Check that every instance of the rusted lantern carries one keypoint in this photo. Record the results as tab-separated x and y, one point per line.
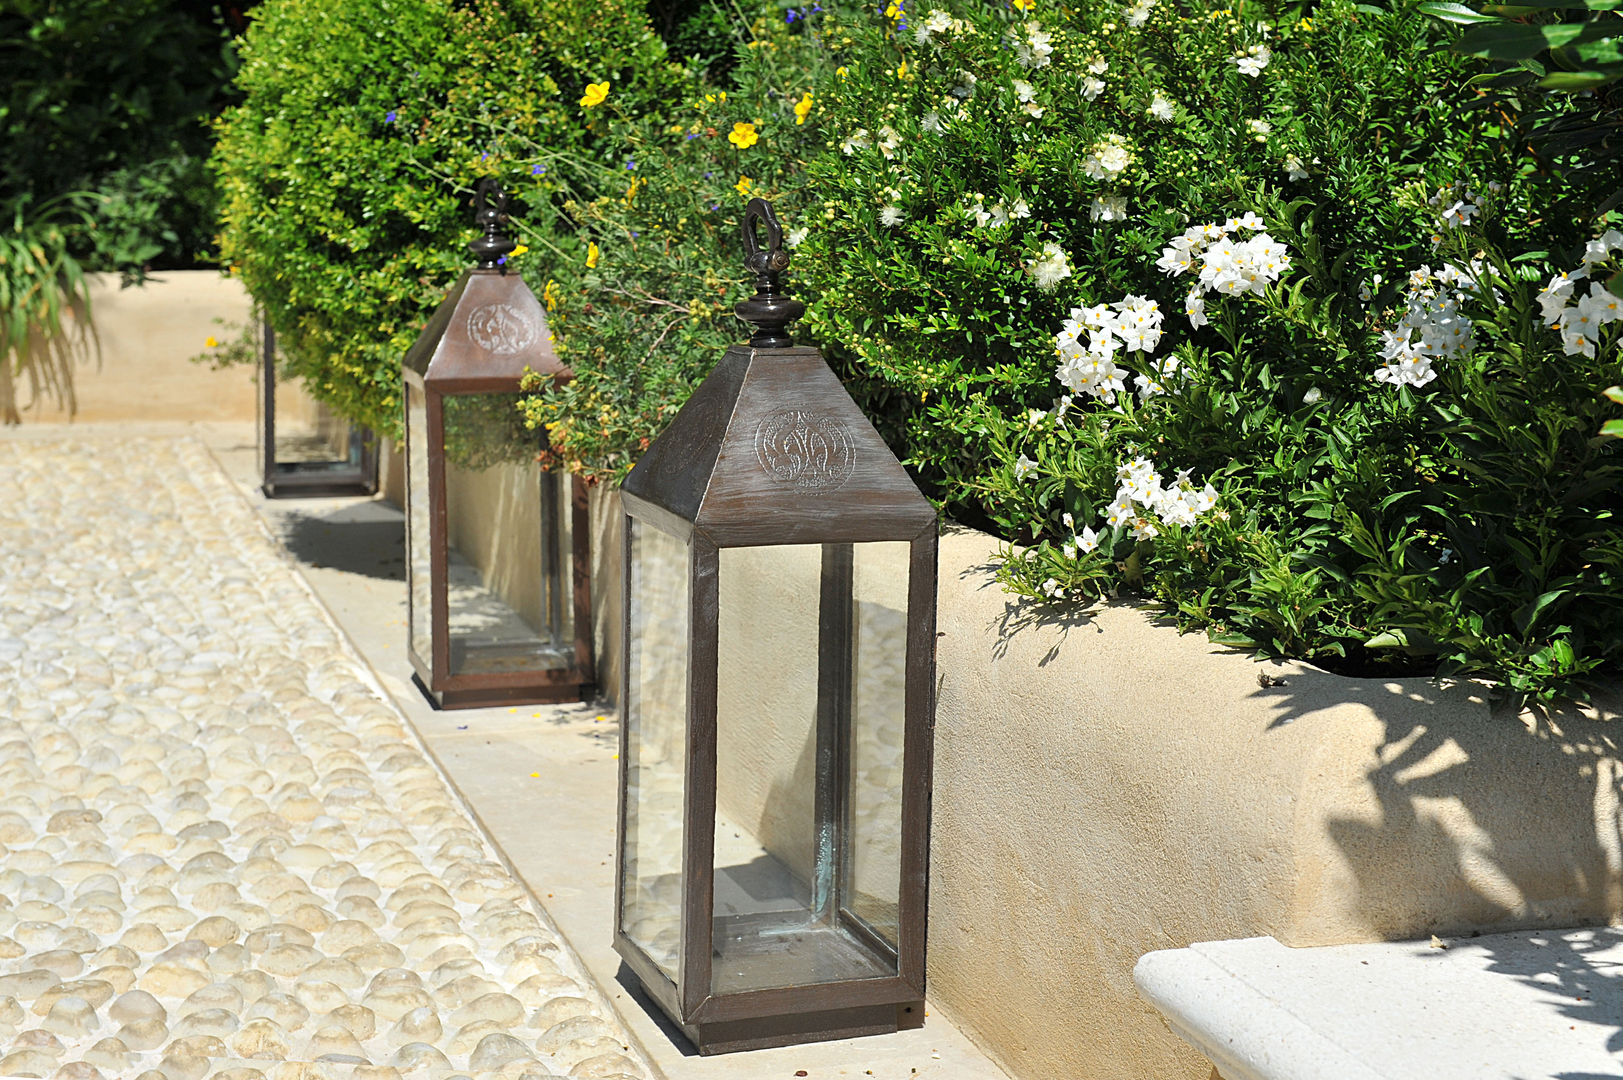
496	543
778	701
307	450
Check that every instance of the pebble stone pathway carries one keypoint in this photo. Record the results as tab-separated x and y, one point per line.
223	853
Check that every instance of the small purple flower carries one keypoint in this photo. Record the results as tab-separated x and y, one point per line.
502	261
633	236
390	117
630	164
537	170
708	175
692	136
791	15
715	206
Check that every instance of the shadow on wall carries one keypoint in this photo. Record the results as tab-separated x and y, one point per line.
1531	835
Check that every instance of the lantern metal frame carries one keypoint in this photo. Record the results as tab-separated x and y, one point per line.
355	475
700	483
456	356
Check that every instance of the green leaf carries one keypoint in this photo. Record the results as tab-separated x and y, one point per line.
1456	13
1527	615
1389	639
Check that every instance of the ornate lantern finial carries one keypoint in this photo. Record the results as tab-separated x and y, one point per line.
490	214
770	310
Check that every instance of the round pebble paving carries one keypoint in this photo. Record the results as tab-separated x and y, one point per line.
223	852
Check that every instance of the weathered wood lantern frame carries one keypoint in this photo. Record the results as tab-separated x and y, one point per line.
482	338
356	473
771	450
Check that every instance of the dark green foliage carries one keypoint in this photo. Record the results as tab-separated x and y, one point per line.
111	99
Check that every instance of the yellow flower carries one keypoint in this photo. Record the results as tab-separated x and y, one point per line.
743	185
549	295
521	249
743	136
210	342
803	107
901	72
894	11
591	256
595	93
840	71
1024	5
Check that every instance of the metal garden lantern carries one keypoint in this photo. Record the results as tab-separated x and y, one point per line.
496	544
305	449
778	702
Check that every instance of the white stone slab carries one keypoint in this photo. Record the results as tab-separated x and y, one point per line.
1519	1006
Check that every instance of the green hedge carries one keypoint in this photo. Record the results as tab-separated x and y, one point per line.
347	168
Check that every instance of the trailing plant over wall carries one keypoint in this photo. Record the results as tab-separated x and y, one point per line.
347	168
648	312
1159	291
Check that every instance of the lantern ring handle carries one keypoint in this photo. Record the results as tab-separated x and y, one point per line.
774	259
481	198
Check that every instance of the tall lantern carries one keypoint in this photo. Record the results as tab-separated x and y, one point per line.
778	702
496	544
306	449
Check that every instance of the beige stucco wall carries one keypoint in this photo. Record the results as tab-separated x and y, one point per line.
147	337
1105	787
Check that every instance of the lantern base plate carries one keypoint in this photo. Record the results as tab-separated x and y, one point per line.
484	698
760	1033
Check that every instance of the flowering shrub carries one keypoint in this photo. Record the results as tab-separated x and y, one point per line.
646	315
347	169
1086	252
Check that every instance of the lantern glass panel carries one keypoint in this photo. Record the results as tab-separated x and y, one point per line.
810	684
309	434
655	743
508	544
418	534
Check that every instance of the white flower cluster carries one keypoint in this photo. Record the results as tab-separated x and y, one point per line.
998	214
1456	204
1051	267
1092	85
1027	95
1580	323
1160	107
1432	311
1108	158
1034	49
936	22
1141	493
1139	13
1251	61
1108	208
1225	265
1132	324
859	139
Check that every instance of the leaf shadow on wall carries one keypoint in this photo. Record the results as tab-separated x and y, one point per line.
1480	818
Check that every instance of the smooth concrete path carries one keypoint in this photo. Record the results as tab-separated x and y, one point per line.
543	781
223	852
1527	1005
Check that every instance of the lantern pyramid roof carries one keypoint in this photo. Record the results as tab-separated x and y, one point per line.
770	449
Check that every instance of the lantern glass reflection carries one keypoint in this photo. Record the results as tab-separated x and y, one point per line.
655	743
508	529
809	737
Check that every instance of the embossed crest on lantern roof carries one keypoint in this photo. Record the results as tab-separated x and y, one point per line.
770	449
490	327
